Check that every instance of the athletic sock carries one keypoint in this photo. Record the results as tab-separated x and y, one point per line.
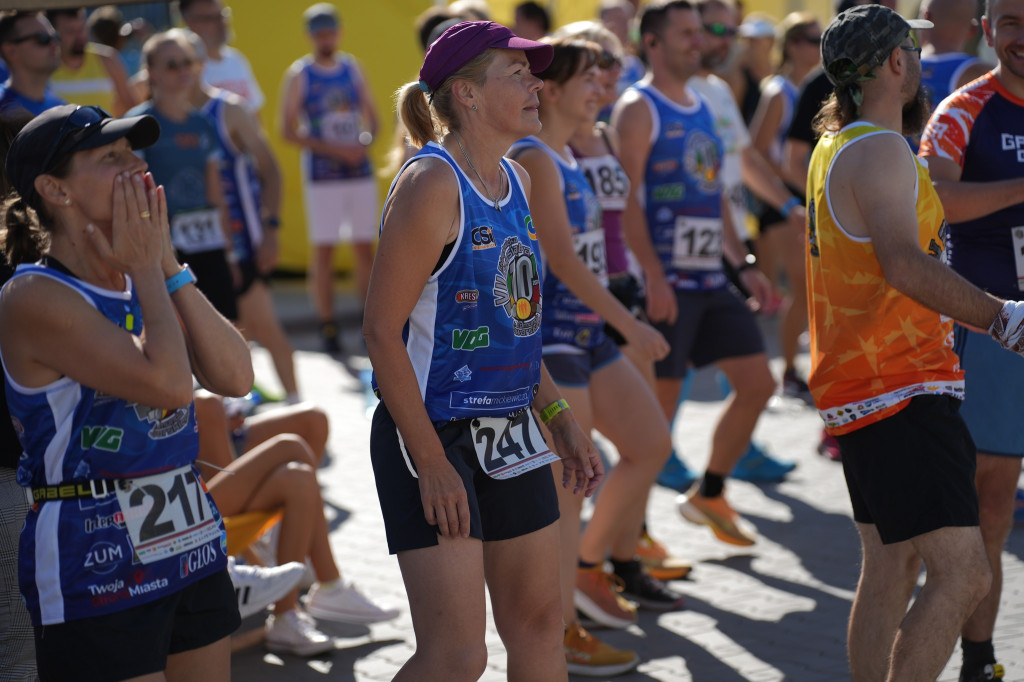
711	485
977	654
627	568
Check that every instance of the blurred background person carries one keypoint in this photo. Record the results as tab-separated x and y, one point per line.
532	21
29	46
225	66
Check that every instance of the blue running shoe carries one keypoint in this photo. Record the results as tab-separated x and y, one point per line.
758	467
1018	507
676	475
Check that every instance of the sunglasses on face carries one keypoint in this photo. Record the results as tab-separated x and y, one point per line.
607	60
720	30
42	39
914	46
76	127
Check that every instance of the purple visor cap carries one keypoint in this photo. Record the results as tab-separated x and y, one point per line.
462	43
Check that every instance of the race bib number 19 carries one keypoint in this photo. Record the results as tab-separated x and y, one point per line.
589	247
508	448
167	514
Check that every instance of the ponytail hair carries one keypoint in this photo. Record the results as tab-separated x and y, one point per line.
427	117
21	237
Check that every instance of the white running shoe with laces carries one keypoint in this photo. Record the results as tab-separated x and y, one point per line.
256	587
342	602
295	633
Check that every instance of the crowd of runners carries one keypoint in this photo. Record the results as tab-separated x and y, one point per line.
579	216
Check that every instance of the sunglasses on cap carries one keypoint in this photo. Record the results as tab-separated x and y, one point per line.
178	64
720	30
41	38
76	127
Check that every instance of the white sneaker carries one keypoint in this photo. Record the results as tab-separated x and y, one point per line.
290	633
256	587
344	603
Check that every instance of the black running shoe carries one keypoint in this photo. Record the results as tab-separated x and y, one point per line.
650	593
990	671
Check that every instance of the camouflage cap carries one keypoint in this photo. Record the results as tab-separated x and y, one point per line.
860	39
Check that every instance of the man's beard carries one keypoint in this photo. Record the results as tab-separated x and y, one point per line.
916	112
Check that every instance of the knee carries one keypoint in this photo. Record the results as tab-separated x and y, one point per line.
460	661
756	387
296	449
533	625
209	408
995	513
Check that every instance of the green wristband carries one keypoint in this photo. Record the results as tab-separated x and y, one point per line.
549	412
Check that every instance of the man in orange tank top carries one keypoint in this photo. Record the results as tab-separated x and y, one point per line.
884	375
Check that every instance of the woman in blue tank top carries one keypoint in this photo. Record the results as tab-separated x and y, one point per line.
453	328
123	556
586	365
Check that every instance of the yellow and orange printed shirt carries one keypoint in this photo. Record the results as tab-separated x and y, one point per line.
872	347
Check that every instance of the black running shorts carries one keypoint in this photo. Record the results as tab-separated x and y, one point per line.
913	472
137	641
498	510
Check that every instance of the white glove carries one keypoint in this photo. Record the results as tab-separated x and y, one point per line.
1008	327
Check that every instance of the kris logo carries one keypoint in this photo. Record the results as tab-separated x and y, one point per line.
483	238
102	438
471	339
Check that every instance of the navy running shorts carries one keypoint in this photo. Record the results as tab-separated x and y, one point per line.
574	369
913	472
137	641
498	510
710	326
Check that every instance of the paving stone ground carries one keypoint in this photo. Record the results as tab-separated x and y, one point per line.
776	611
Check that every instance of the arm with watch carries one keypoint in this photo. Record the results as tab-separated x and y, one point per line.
581	463
217	352
744	263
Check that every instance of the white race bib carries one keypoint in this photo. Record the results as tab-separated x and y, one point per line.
609	181
196	231
341	126
589	247
166	514
508	448
697	243
1018	254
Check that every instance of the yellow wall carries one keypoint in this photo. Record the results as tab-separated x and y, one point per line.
380	33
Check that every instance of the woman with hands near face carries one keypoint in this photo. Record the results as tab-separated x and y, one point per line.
101	331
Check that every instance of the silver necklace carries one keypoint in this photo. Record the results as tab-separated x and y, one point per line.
479	177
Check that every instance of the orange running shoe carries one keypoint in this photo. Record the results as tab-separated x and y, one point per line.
588	656
599	597
656	559
716	514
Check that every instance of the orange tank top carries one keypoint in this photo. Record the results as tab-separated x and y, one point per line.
872	347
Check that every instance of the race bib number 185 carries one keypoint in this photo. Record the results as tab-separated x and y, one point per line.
508	448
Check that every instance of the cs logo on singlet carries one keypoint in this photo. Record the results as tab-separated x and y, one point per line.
517	287
702	160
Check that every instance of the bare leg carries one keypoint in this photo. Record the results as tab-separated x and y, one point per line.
887	580
525	597
258	322
569	507
788	243
305	420
211	662
321	282
958	576
626	411
445	585
996	480
753	385
668	396
214	440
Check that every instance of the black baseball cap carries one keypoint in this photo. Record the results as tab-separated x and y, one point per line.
55	134
860	39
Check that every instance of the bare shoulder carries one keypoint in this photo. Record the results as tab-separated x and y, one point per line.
876	162
524	177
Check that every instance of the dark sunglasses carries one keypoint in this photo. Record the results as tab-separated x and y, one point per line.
175	65
606	60
720	30
80	125
42	39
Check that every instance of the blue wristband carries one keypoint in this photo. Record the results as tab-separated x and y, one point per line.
788	207
185	276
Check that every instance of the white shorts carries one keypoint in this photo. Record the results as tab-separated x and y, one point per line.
342	211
